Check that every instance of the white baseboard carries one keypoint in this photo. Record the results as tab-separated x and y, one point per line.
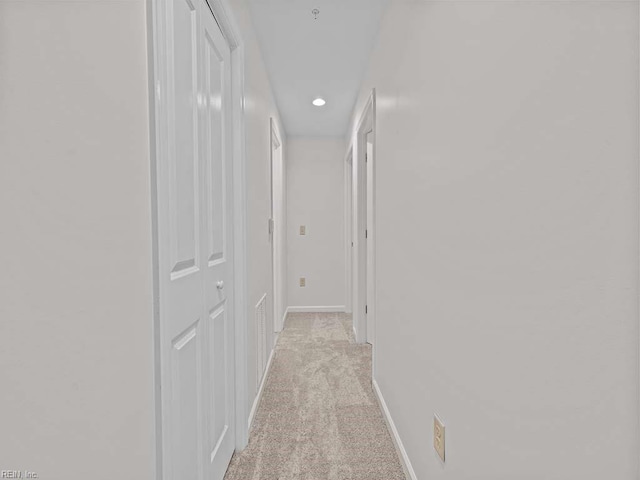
256	401
409	472
323	309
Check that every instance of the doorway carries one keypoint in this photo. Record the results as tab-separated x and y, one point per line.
363	252
277	227
369	311
348	228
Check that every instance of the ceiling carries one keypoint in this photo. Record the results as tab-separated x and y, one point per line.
308	58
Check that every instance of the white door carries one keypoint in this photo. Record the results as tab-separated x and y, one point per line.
194	242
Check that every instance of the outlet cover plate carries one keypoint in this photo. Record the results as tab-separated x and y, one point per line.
303	282
438	436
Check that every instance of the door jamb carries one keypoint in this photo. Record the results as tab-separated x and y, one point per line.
275	142
348	228
157	470
370	315
365	234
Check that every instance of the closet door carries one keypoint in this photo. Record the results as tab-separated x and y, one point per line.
194	242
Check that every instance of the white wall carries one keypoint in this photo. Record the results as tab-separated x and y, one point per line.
76	362
260	106
315	189
507	236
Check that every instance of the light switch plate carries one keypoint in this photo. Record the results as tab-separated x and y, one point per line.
438	436
303	282
303	230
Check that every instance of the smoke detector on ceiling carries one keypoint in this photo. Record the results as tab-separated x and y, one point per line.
315	12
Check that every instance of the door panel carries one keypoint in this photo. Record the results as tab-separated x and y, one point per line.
195	245
184	191
218	405
186	390
214	146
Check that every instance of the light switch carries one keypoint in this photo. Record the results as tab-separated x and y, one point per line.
438	436
303	282
303	230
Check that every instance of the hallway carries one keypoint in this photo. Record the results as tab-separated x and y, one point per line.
454	184
318	417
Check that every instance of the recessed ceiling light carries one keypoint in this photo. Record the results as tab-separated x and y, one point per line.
318	102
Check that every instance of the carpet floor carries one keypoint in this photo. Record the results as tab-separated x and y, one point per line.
318	418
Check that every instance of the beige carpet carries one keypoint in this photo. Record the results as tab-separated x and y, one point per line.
318	418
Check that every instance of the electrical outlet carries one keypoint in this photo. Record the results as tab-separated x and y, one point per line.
303	230
303	282
438	436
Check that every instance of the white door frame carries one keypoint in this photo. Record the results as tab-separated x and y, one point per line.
364	224
277	248
222	14
348	228
371	326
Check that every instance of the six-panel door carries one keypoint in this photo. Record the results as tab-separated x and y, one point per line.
194	241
